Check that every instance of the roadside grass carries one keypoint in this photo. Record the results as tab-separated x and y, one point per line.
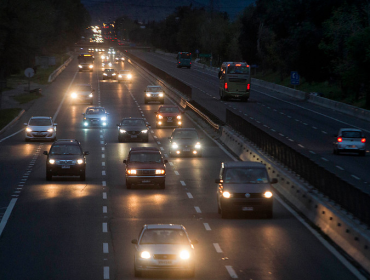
26	97
7	115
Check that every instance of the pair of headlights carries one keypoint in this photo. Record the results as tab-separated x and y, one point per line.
196	146
184	255
177	117
124	131
267	194
79	161
134	171
30	130
149	94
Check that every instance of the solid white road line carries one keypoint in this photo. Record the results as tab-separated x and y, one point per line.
7	213
231	271
207	227
189	195
197	209
15	133
217	247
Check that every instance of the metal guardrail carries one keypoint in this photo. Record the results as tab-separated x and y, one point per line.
59	70
346	195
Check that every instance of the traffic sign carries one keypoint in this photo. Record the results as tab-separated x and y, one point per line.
294	78
29	72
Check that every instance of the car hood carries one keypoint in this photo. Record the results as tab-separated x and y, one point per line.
40	128
95	116
164	248
169	114
83	92
146	165
247	188
185	141
133	127
65	157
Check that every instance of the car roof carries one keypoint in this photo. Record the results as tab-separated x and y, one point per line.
40	117
350	129
164	226
136	149
252	164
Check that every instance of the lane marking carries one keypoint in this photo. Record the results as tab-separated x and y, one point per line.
103	155
105	227
324	159
161	148
183	183
217	247
103	173
104	195
312	152
300	145
103	148
189	195
171	163
106	272
177	173
105	209
354	176
105	248
103	163
104	183
102	142
206	225
11	135
197	209
158	142
7	213
341	168
231	271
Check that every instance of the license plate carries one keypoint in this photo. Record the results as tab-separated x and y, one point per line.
66	166
247	209
145	181
169	120
133	136
165	262
186	150
39	133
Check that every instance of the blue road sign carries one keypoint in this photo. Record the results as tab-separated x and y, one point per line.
294	78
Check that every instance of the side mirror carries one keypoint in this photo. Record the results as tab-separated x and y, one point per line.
274	181
134	241
125	161
55	124
165	161
217	181
25	124
86	153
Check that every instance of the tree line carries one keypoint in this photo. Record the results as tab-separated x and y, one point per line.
322	40
37	28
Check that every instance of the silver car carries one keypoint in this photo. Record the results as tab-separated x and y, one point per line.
40	128
95	116
164	247
351	140
154	93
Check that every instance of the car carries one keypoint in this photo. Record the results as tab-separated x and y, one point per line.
185	141
154	93
145	166
119	58
244	186
95	116
164	247
83	93
168	115
66	158
40	128
109	73
133	129
350	140
124	75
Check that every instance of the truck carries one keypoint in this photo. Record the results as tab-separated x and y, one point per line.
85	62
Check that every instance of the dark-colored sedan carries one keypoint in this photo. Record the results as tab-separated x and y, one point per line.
244	187
185	141
133	129
109	73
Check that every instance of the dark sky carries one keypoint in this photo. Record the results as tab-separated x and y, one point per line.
143	10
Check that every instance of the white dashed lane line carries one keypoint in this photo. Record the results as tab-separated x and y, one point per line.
217	247
189	195
182	183
103	173
171	163
341	168
105	248
197	209
354	176
104	183
103	163
103	156
231	271
206	226
312	152
105	209
106	272
104	195
177	173
324	159
105	227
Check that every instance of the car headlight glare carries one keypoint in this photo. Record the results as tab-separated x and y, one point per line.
86	123
144	131
90	95
122	131
197	145
80	161
51	161
74	95
148	94
226	194
28	129
267	194
50	130
80	66
160	117
145	255
114	74
91	66
175	146
184	255
159	171
104	118
131	171
179	117
105	74
119	76
129	76
161	95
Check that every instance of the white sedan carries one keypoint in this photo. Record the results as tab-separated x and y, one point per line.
40	128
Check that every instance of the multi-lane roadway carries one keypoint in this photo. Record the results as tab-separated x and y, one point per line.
69	229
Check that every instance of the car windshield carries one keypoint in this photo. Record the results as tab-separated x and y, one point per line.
109	70
40	122
237	70
164	236
169	110
83	88
145	157
133	122
351	134
185	134
246	175
60	149
154	89
94	111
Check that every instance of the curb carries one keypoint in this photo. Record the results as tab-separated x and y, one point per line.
13	121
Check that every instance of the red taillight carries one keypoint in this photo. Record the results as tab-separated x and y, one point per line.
248	86
363	140
226	86
190	62
179	62
339	139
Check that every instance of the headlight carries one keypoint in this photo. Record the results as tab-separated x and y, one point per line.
175	146
51	161
226	194
160	117
178	117
122	131
197	145
161	95
110	63
80	161
74	95
102	57
129	76
114	74
184	255
104	118
144	131
267	194
50	130
131	171
90	95
159	171
91	66
119	76
145	255
28	129
80	66
86	123
148	94
105	74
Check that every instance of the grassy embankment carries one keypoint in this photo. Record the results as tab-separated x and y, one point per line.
7	115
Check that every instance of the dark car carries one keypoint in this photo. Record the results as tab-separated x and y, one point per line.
109	74
145	166
66	158
82	93
133	129
244	187
154	93
185	141
168	115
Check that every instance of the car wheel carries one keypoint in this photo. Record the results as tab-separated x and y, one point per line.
162	185
128	185
218	209
146	140
83	176
27	139
362	153
224	214
245	99
48	176
269	214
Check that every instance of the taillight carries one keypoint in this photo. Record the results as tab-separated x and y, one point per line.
363	140
248	86
226	86
339	139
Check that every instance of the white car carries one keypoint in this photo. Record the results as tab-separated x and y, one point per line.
164	247
351	140
95	116
40	128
